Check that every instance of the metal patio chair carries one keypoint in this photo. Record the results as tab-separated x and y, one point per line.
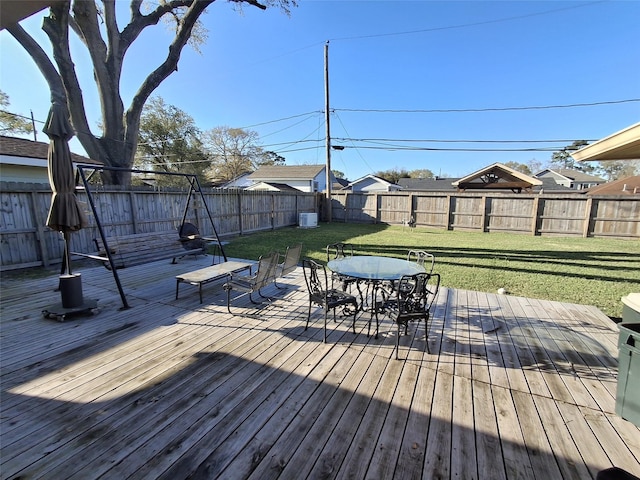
337	251
248	284
426	259
289	263
412	299
324	296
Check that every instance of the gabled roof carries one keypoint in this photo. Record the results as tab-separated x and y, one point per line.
373	180
497	176
623	186
427	184
287	172
22	147
273	186
622	145
571	174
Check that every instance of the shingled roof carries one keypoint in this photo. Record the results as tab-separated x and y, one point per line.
22	147
287	172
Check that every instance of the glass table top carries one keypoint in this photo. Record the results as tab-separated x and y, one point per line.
374	268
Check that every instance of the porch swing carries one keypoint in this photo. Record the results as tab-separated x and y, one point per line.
188	234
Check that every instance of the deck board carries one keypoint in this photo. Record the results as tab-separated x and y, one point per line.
509	387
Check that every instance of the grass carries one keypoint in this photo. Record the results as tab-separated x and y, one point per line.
588	271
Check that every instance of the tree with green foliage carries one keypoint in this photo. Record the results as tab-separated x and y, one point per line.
563	159
169	141
11	123
106	44
393	175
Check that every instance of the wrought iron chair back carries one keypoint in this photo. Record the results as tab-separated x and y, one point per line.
412	300
336	251
322	295
426	259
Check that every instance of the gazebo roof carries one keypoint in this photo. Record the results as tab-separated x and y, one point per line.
497	176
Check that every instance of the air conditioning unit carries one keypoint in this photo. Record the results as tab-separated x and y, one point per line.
308	220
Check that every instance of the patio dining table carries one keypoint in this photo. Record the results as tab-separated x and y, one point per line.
374	271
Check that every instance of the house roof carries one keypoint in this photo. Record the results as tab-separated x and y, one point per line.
497	176
22	147
287	172
375	178
571	174
13	12
427	184
623	186
274	186
622	145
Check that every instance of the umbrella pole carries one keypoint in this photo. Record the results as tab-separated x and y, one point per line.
67	258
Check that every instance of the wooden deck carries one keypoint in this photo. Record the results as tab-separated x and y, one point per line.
512	388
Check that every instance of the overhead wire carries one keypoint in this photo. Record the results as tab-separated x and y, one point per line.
467	25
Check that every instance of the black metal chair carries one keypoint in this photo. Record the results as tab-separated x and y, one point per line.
336	251
412	299
253	282
289	263
426	259
320	294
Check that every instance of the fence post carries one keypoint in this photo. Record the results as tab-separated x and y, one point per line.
449	212
587	217
535	213
485	216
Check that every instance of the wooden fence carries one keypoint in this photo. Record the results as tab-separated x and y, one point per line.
545	214
25	241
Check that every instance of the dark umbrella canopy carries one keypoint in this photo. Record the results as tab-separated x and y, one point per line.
65	214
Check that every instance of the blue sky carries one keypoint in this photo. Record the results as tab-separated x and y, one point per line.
409	80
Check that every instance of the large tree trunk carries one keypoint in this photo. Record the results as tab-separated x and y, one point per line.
117	145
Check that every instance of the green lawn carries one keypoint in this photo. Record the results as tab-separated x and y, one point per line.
591	271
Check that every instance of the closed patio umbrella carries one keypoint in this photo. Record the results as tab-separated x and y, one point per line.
65	214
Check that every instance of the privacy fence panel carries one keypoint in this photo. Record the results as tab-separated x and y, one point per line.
544	214
431	210
615	218
509	214
25	241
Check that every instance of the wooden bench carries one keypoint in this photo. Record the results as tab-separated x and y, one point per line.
205	275
140	248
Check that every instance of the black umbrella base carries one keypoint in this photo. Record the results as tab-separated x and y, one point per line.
60	313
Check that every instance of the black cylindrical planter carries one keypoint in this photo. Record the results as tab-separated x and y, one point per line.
71	290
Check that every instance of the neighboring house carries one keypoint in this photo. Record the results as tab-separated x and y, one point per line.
497	177
272	187
573	179
306	178
623	186
427	184
243	181
372	183
339	184
23	160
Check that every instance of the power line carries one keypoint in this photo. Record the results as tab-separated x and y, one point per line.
465	25
453	141
488	109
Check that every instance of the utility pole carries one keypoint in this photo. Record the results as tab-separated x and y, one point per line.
328	130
